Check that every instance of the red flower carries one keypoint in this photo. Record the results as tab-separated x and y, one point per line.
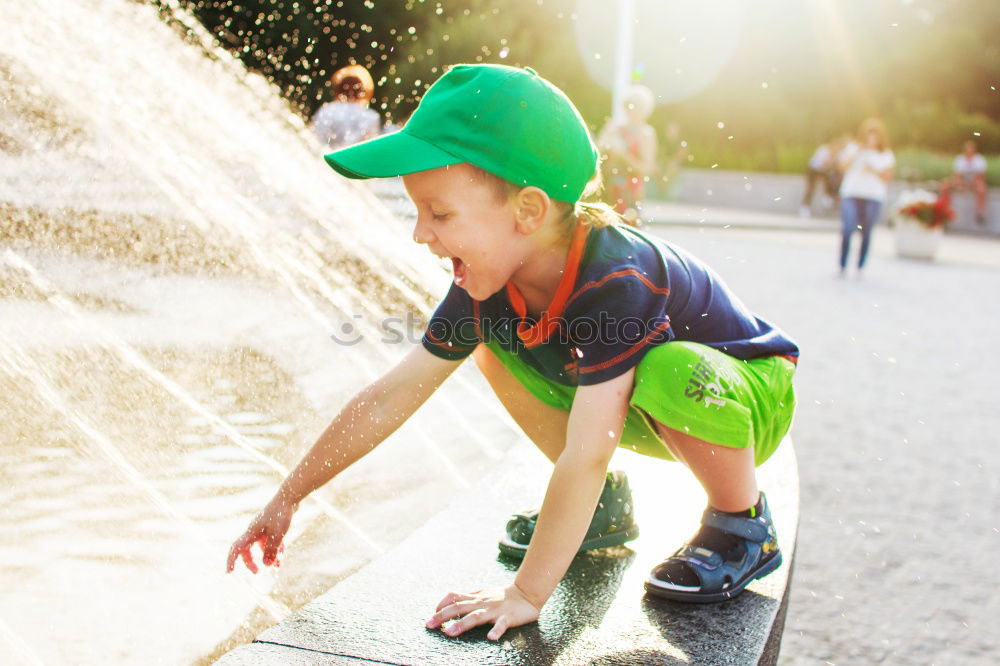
933	215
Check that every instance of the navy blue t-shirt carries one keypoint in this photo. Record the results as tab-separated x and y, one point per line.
622	293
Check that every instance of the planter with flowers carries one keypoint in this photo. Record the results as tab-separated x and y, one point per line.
919	218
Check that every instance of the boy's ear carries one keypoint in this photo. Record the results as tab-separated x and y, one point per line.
531	207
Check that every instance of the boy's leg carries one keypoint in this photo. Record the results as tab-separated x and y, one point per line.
544	424
721	417
727	474
729	478
541	408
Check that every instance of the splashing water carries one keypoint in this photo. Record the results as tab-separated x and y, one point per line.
175	256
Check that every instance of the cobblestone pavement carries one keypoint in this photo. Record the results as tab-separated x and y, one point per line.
894	433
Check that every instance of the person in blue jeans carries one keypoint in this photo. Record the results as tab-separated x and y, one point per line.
868	166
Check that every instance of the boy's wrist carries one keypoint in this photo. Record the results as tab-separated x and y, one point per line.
536	600
286	499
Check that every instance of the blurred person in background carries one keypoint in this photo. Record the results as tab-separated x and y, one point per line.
968	174
347	119
823	167
868	165
629	149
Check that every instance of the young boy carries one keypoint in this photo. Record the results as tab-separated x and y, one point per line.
592	334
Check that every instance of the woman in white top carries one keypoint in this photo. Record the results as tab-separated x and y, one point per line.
868	166
348	120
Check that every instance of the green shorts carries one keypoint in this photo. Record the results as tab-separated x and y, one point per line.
694	389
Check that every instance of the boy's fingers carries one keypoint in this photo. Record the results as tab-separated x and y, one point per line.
248	560
452	611
238	545
499	627
271	547
451	598
447	601
473	619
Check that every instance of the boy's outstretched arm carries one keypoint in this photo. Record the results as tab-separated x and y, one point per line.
595	425
369	418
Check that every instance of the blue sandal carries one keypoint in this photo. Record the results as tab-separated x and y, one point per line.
721	579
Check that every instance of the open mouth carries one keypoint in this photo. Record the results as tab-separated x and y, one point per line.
459	269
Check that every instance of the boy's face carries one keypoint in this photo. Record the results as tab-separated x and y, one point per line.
460	217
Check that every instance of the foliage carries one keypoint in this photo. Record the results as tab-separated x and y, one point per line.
917	165
801	73
941	125
300	44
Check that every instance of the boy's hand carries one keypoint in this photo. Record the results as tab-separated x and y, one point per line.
504	607
268	529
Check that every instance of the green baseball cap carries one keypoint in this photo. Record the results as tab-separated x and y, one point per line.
507	121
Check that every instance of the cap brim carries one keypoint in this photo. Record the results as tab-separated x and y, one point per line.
395	154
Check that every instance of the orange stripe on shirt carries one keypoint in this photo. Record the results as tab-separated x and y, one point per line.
628	352
628	272
549	322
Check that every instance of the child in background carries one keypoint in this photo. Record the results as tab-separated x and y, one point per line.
592	334
347	119
629	146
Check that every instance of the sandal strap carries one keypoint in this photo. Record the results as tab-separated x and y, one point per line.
751	529
699	557
711	570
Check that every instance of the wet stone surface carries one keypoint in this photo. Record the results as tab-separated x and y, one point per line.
598	614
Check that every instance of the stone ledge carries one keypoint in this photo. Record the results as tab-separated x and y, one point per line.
598	614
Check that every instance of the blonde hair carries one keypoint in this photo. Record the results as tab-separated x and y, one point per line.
877	126
592	212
